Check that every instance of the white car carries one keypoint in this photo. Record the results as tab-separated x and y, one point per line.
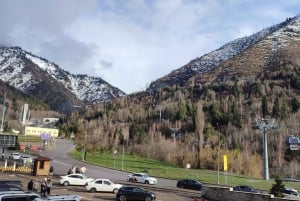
26	159
15	156
290	193
102	185
75	179
141	178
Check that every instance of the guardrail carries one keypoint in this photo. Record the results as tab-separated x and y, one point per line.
22	169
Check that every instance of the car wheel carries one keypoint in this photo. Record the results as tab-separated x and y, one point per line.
93	190
66	183
115	191
146	182
148	198
122	198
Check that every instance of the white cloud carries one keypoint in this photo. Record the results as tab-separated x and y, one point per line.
131	43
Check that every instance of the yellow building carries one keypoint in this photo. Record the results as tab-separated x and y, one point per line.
38	131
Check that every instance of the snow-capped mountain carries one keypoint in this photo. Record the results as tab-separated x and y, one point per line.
31	74
276	37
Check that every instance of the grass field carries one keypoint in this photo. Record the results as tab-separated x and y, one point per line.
133	163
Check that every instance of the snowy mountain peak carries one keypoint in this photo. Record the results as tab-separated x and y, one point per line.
279	36
27	72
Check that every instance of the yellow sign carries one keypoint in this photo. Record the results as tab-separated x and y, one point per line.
225	162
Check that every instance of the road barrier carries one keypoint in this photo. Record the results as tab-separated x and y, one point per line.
23	169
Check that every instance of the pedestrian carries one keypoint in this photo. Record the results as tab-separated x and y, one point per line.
36	186
83	170
43	188
49	185
30	185
51	170
74	169
70	171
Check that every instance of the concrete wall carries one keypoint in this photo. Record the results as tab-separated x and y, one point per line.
227	194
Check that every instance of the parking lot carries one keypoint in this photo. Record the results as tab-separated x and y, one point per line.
80	190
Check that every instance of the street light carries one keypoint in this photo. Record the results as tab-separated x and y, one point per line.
219	154
265	124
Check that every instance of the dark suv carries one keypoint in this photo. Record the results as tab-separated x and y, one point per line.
245	189
134	193
189	184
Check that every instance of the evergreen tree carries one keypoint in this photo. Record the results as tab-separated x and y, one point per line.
276	108
295	104
264	107
277	188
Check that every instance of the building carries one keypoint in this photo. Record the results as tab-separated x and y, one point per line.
39	131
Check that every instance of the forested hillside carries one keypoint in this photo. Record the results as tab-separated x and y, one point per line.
211	113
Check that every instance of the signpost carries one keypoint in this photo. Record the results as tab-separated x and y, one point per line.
225	167
115	156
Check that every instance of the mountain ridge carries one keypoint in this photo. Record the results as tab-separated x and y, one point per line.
209	62
35	76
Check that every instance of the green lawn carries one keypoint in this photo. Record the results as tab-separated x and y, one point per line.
133	163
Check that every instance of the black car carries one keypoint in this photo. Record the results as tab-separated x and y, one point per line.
134	193
189	184
10	187
16	183
245	189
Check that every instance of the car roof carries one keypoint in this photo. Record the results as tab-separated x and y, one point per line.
17	193
142	173
76	174
101	179
60	197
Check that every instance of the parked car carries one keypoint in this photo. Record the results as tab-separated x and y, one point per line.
10	187
245	189
59	198
25	159
141	178
17	183
195	199
75	179
102	185
134	193
189	184
18	195
290	193
15	156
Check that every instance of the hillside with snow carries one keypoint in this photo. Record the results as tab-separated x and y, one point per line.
278	36
30	74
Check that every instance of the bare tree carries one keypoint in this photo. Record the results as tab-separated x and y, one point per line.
199	124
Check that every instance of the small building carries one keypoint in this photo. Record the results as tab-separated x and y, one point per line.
41	166
37	131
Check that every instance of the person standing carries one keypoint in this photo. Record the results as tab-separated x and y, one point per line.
43	188
48	186
30	185
51	170
36	186
83	170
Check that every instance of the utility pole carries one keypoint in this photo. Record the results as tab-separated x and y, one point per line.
265	124
219	132
3	112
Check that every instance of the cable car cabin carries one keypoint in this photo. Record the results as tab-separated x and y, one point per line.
293	143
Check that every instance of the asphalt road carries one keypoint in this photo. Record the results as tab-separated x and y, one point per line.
62	162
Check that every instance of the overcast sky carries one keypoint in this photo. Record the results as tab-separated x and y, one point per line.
130	43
